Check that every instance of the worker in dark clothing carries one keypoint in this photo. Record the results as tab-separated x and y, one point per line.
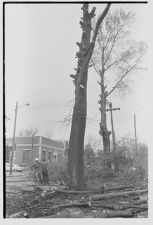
45	172
37	171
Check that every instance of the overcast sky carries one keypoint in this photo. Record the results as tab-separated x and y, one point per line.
40	56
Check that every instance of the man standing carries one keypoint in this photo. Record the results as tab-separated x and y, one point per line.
45	172
37	171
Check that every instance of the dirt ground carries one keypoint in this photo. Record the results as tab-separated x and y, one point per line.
22	195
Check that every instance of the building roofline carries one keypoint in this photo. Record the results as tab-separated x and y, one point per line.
37	136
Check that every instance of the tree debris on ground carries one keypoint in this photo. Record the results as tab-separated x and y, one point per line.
124	201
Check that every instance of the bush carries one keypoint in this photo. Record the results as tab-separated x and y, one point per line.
99	168
131	174
140	172
109	166
58	172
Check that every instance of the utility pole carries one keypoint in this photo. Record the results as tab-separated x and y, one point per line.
135	132
111	114
13	140
32	144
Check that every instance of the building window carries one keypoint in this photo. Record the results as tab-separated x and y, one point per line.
43	155
66	152
60	156
49	156
55	157
26	155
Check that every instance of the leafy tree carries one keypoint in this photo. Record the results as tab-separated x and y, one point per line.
115	58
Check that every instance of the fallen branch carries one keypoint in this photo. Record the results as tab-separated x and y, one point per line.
116	195
55	208
138	210
102	189
143	207
73	204
8	181
139	205
113	214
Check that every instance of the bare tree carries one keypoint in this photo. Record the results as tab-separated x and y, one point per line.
76	142
115	58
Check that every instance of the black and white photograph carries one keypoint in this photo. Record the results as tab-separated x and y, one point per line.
75	108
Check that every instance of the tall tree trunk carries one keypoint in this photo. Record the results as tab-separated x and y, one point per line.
103	125
76	142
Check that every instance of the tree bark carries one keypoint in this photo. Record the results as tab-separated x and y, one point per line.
103	125
76	143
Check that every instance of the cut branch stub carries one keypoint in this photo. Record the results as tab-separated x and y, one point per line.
84	7
78	55
99	83
80	61
79	44
92	13
82	24
73	76
77	69
103	131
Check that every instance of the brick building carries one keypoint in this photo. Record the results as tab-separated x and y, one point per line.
29	148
